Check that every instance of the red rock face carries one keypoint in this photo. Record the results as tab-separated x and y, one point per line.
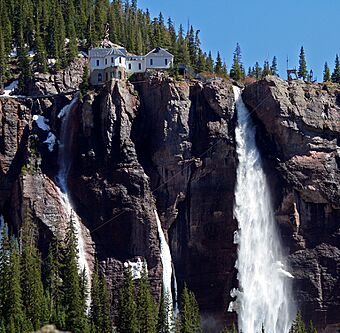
300	134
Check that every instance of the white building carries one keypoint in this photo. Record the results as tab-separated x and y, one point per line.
114	62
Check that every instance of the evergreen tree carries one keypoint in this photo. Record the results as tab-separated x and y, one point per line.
218	64
146	308
183	55
190	321
298	325
73	298
302	71
201	62
127	310
164	323
311	328
273	67
237	72
266	69
3	61
336	73
32	288
53	284
257	71
210	63
40	55
100	304
326	73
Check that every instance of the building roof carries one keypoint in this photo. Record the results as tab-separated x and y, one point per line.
159	52
100	52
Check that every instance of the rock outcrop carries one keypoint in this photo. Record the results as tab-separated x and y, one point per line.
299	132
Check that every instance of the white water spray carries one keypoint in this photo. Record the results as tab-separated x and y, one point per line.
264	295
167	268
64	162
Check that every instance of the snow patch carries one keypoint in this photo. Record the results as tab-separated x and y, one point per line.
41	121
136	268
50	141
10	88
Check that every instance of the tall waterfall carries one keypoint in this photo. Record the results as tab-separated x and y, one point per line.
64	162
264	294
168	272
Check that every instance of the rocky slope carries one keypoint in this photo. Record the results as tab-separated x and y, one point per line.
168	145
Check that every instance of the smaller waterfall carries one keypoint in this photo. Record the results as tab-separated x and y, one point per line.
168	272
64	162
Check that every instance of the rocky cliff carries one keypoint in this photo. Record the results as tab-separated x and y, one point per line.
169	145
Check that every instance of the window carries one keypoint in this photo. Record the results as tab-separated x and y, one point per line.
112	60
105	61
120	60
119	75
129	66
107	76
112	76
166	62
140	66
151	62
97	63
100	77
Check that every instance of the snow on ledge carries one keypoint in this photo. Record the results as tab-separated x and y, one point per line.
136	268
10	88
50	141
41	122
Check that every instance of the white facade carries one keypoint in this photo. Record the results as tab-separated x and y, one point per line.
159	58
135	64
102	59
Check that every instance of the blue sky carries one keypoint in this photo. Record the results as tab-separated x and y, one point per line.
263	28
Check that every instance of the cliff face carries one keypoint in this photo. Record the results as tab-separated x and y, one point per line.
168	145
300	138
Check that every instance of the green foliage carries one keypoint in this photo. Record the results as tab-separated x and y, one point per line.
146	307
326	73
190	321
302	71
336	73
127	309
85	84
72	286
31	284
237	71
218	64
164	323
266	69
273	67
100	304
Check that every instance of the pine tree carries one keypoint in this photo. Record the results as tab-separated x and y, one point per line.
302	71
201	62
3	61
73	298
32	288
326	73
266	69
311	328
273	67
218	64
237	72
257	71
53	284
146	308
40	55
336	73
164	322
190	321
210	63
13	307
183	55
298	325
127	310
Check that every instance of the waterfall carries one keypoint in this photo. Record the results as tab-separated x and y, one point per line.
64	163
264	294
168	272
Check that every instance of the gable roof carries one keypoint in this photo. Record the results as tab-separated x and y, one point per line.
159	52
100	52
